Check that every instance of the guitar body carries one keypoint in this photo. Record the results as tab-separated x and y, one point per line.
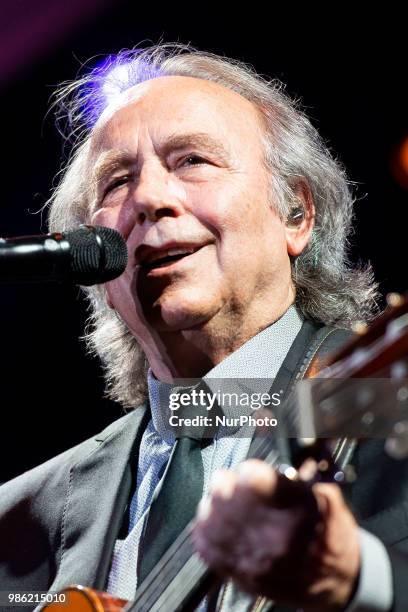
83	599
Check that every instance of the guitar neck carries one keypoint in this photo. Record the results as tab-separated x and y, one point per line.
181	592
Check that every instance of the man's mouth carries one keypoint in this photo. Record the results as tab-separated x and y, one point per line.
165	257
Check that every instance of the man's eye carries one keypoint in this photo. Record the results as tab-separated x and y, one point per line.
193	160
117	182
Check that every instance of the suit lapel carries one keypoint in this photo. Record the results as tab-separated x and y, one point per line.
97	495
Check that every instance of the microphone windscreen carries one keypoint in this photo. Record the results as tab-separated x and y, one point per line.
97	254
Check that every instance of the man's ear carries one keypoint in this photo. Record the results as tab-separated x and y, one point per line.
300	221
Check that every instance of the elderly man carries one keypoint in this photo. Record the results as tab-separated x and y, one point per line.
235	218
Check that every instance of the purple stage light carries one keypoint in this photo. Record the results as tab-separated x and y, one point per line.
108	79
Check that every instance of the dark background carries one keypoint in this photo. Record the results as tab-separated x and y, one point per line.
349	71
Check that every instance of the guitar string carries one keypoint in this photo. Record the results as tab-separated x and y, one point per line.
161	570
172	598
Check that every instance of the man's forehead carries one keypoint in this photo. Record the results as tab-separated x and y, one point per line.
175	92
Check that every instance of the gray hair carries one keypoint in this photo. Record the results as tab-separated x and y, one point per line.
328	287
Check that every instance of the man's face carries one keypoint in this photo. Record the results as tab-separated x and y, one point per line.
181	175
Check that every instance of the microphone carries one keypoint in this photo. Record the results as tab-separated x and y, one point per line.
85	256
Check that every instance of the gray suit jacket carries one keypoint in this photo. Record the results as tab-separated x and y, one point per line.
59	521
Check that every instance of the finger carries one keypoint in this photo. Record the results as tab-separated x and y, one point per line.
226	502
329	498
339	530
220	559
257	476
214	527
234	493
308	470
261	479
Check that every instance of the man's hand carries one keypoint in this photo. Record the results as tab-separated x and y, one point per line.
278	538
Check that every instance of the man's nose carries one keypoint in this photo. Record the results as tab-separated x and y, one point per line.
156	195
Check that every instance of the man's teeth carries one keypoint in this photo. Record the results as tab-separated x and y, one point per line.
169	253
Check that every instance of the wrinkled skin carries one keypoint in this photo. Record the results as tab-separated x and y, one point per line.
181	160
